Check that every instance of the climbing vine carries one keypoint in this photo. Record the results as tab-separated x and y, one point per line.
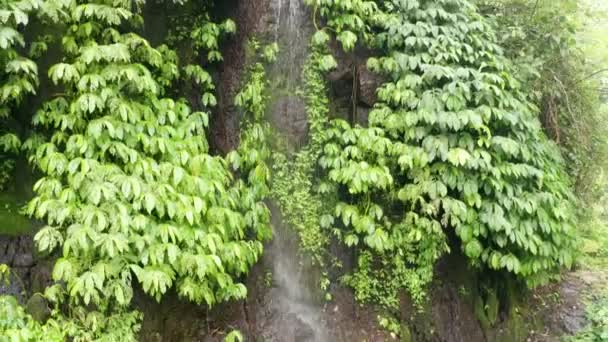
130	191
19	77
453	149
560	77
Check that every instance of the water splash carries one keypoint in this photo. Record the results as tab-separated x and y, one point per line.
296	313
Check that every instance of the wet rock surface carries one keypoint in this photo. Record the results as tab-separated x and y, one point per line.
13	286
294	126
561	306
368	83
252	18
29	272
454	320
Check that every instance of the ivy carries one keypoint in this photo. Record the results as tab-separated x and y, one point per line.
452	147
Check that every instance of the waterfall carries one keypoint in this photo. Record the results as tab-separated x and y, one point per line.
294	309
296	313
292	31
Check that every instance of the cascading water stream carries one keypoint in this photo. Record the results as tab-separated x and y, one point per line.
296	315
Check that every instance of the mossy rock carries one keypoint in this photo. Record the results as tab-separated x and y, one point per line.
515	329
481	314
492	306
406	334
38	308
12	285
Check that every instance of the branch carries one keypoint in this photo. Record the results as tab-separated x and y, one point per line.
534	10
591	75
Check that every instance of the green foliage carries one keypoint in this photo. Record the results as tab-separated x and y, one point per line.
597	330
294	186
196	36
453	147
350	19
129	190
234	336
391	325
19	77
193	30
12	221
547	43
453	155
21	327
594	235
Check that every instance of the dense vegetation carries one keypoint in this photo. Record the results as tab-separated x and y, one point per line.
484	141
452	145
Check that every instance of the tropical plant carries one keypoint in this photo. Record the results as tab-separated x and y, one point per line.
453	152
546	41
19	76
130	191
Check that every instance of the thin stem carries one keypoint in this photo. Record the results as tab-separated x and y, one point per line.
591	75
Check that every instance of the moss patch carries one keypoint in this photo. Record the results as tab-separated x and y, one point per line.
12	222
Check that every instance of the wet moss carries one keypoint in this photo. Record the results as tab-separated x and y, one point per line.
37	307
406	334
12	222
480	313
491	307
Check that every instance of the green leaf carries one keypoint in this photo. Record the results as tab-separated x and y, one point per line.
473	249
320	38
348	40
234	336
458	156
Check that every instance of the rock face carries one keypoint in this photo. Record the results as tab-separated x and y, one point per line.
290	26
251	18
12	285
561	307
368	83
31	273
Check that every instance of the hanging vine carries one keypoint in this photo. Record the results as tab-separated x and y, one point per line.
452	148
130	192
19	76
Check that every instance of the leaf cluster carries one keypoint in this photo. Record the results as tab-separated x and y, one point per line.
452	148
130	192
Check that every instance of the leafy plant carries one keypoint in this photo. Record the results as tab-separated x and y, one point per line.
130	191
234	336
547	42
20	326
19	77
453	148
